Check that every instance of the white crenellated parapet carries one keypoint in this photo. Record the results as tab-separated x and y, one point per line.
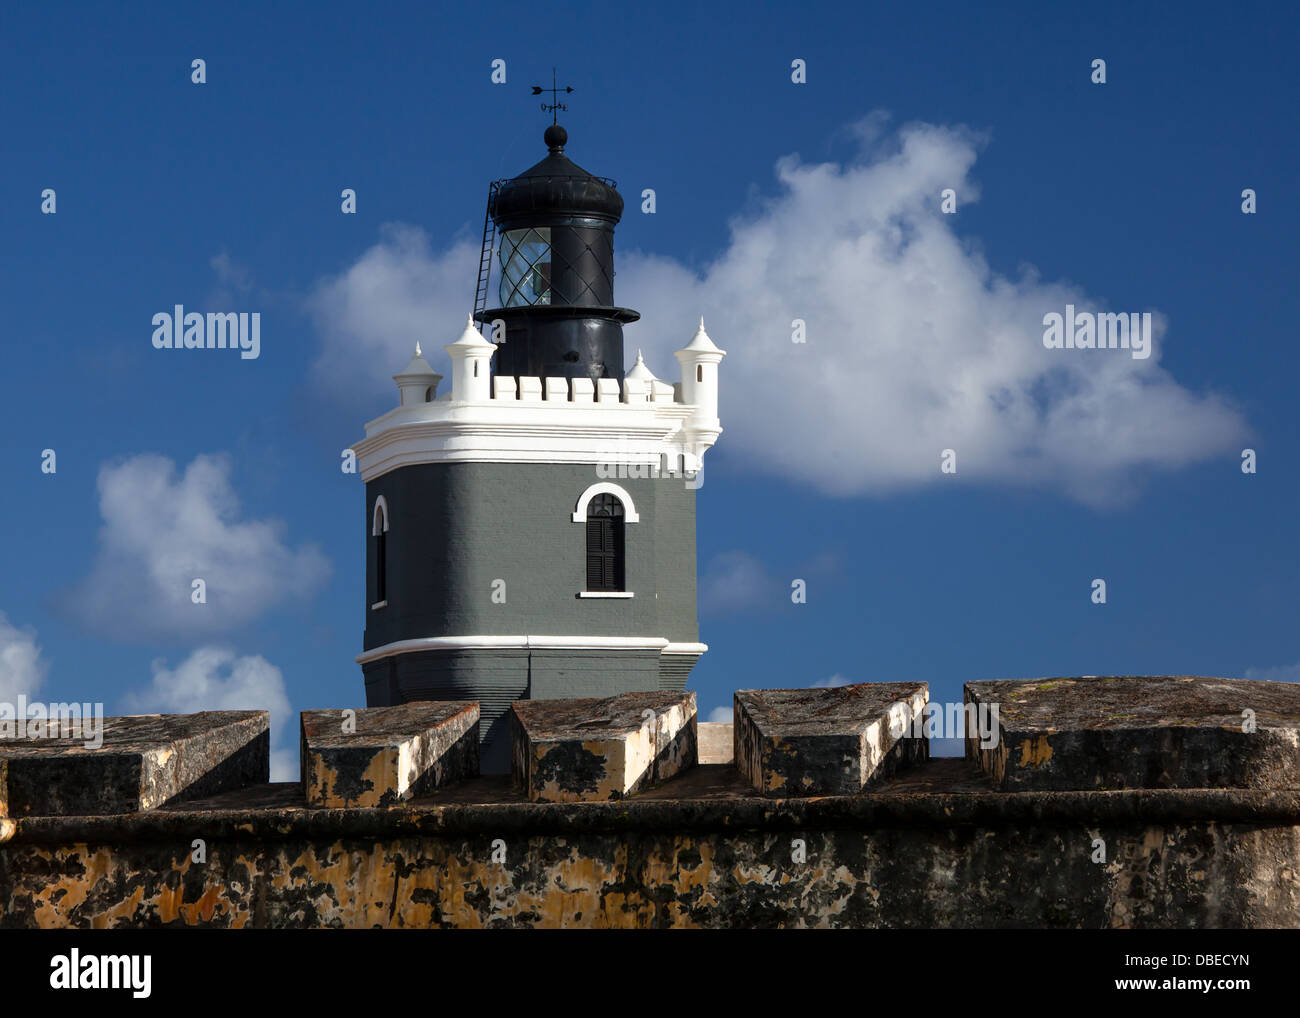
471	365
602	391
557	389
530	389
638	421
634	391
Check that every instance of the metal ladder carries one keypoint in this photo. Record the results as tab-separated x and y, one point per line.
485	255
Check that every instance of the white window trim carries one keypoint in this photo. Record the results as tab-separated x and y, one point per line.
605	488
381	505
606	593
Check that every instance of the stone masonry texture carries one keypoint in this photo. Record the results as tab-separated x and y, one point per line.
391	753
144	761
1176	731
579	750
936	846
939	843
827	741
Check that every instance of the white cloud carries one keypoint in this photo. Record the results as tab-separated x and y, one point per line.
722	715
234	283
735	582
230	272
835	680
162	531
914	344
214	678
371	316
22	670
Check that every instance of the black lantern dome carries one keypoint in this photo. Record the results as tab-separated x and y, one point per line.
555	186
555	227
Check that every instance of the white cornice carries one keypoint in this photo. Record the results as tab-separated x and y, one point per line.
448	643
516	431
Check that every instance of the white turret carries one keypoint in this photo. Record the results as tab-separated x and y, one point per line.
471	358
640	371
418	382
699	360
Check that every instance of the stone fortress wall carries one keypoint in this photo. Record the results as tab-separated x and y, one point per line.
1098	802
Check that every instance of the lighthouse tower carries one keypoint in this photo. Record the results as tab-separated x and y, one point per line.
531	532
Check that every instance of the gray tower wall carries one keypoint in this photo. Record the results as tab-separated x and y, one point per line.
456	528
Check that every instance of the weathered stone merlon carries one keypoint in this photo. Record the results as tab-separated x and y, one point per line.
796	742
379	756
1160	731
143	762
716	742
597	749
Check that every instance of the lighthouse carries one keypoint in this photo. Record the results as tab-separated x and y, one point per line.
530	531
556	225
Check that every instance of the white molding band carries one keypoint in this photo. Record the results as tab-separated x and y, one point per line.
605	593
517	432
630	514
447	643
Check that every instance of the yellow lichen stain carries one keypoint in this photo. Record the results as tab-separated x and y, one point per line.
772	780
323	782
125	909
171	904
546	882
569	896
668	869
612	784
357	888
1035	752
54	910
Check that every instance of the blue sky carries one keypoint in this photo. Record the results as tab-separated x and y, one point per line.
775	200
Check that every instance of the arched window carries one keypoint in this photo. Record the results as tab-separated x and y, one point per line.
605	543
379	533
699	372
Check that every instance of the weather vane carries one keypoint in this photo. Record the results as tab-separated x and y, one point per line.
554	104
